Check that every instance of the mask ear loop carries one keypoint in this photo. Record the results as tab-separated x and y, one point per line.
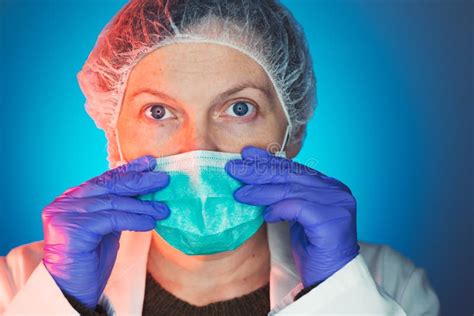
282	151
117	141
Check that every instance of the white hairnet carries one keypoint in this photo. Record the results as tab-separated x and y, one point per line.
264	30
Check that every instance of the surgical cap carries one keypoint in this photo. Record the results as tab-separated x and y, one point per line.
262	29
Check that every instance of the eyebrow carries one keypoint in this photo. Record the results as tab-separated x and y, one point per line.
239	87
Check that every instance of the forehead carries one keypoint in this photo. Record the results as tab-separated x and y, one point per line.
197	65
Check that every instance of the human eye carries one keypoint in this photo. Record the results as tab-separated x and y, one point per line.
240	109
158	112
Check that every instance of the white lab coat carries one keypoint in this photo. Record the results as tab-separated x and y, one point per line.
378	281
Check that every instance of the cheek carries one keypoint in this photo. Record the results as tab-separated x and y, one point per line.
138	138
261	132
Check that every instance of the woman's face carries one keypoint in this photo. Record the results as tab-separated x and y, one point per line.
192	96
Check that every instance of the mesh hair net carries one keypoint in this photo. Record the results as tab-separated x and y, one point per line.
264	30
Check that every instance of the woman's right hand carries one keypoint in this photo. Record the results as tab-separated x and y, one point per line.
82	226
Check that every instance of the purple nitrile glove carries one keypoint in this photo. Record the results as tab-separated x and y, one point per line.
321	210
82	226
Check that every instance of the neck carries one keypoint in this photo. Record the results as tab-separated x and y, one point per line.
202	280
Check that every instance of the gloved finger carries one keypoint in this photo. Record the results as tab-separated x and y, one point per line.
266	194
107	202
111	244
129	183
252	152
78	233
263	156
116	221
278	170
88	188
140	164
304	212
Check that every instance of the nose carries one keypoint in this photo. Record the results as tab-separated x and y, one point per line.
198	137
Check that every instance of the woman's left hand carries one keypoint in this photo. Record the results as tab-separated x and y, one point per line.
321	210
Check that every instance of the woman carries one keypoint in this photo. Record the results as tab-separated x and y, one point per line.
204	103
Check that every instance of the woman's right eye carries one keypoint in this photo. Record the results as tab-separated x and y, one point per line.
158	112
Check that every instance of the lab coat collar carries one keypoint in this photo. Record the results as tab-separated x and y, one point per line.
126	286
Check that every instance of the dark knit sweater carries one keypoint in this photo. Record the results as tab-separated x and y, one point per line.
158	301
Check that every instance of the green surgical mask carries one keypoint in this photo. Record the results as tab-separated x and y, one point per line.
204	216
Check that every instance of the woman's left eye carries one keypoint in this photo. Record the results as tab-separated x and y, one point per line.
240	109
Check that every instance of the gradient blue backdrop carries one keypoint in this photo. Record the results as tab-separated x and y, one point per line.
394	122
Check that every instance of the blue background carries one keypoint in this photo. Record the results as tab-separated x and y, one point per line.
394	122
